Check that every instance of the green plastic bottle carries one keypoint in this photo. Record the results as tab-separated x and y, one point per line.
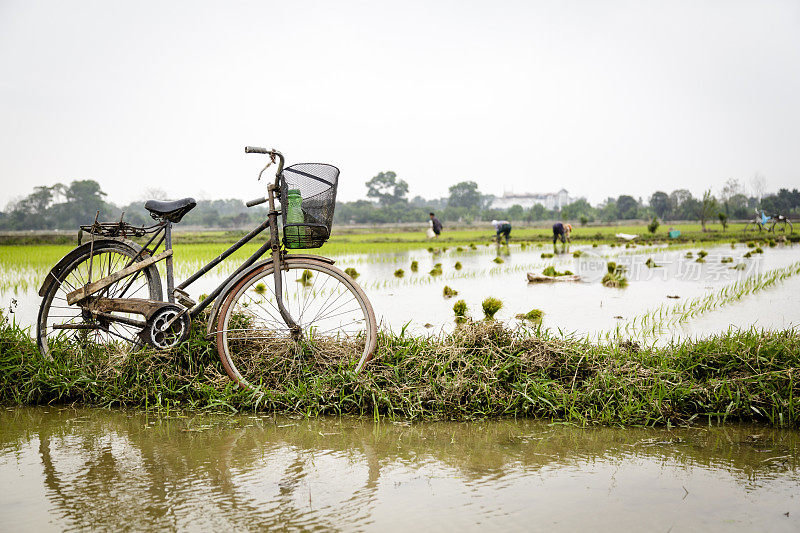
294	215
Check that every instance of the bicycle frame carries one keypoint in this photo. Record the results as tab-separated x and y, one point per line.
135	265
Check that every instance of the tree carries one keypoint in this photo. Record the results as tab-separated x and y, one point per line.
465	194
387	189
731	188
758	183
659	203
723	219
576	209
84	200
627	207
707	208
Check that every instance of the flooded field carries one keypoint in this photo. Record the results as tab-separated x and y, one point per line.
110	470
678	298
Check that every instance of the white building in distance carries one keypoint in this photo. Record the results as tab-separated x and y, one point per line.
552	200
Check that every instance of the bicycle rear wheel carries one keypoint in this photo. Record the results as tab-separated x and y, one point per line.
752	226
256	346
61	322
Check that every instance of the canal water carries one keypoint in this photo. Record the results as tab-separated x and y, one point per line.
67	469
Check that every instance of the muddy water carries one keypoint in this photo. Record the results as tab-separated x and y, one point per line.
111	470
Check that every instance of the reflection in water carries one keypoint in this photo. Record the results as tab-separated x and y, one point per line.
81	469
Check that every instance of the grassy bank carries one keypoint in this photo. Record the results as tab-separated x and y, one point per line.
480	371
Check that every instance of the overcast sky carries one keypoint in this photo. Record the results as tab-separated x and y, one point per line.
601	98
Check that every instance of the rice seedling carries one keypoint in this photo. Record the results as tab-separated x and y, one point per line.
449	292
772	243
650	263
702	254
594	245
751	244
352	272
739	266
458	265
577	253
758	250
472	246
658	320
459	249
534	315
689	255
699	260
260	289
748	255
399	273
305	278
460	310
546	255
552	272
614	280
726	260
498	260
615	276
490	307
414	266
437	270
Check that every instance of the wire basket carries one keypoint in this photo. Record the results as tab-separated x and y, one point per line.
308	198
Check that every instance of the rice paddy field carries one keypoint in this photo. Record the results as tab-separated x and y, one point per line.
672	289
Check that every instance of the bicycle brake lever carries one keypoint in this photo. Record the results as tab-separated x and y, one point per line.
271	161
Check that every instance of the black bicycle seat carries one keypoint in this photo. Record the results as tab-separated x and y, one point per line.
172	211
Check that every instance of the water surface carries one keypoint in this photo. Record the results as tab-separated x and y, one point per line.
65	469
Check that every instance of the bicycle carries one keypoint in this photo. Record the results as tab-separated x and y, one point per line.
109	290
771	224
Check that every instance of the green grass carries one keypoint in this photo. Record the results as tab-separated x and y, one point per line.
482	370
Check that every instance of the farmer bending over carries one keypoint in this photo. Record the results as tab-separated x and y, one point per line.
562	231
503	227
436	226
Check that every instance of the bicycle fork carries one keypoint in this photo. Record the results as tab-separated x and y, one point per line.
277	266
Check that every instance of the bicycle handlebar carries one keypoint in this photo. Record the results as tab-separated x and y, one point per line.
273	154
257	201
255	150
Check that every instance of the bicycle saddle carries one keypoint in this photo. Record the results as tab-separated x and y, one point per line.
172	211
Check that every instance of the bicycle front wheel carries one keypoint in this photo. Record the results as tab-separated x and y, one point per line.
781	226
256	346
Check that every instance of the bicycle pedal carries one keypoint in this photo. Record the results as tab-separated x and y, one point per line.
182	297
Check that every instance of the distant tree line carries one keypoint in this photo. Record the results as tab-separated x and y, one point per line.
68	206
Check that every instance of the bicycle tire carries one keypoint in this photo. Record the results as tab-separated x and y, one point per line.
260	352
753	226
782	224
109	257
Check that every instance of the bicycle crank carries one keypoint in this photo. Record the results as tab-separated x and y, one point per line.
167	327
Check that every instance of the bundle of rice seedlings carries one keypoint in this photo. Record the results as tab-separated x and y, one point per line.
458	265
490	307
399	273
352	272
460	310
534	315
414	266
448	292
